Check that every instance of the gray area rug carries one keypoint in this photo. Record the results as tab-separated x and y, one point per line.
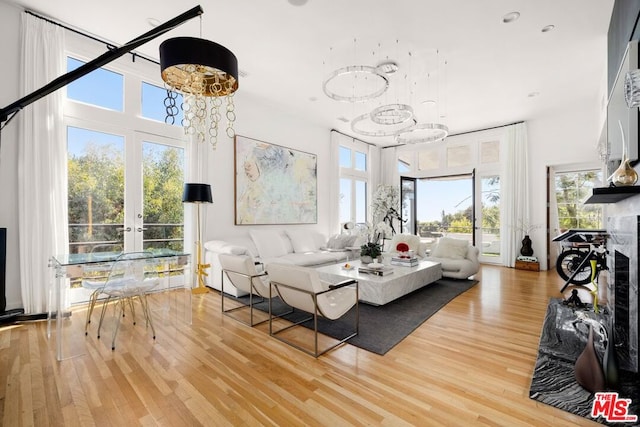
383	327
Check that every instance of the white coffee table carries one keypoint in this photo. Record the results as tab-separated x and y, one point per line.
380	290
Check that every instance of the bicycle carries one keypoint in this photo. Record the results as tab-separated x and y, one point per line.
575	266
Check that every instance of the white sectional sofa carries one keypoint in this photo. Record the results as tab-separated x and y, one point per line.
297	246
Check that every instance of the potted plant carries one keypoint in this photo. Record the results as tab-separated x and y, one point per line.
372	249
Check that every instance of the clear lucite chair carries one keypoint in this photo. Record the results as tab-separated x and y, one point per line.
131	277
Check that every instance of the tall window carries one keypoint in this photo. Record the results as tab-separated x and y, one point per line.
353	184
572	188
124	179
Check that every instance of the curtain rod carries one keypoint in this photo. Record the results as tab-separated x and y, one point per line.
109	45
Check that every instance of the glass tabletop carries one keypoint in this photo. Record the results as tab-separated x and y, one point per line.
96	257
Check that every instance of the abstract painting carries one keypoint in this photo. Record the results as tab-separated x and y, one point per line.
274	184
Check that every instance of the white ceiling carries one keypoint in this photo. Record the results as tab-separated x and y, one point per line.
286	51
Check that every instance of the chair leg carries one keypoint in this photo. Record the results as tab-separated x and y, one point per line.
115	331
104	310
147	313
92	303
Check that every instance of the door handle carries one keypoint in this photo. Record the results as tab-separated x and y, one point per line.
141	229
124	229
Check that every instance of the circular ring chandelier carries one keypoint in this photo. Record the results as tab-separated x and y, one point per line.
391	114
423	132
370	91
389	130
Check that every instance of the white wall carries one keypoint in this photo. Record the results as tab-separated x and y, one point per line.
559	138
9	92
259	120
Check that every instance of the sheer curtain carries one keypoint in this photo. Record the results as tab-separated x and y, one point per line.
42	162
514	193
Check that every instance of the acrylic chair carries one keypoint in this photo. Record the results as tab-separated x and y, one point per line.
301	288
242	273
132	276
94	277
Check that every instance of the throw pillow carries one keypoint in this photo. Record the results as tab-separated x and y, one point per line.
270	243
340	241
450	248
303	241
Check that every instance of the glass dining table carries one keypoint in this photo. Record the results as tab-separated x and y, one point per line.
67	270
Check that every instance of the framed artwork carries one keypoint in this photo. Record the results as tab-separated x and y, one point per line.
274	184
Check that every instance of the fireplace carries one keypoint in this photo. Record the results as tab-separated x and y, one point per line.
622	292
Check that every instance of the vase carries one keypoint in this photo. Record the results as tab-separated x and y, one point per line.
366	259
625	175
526	249
588	371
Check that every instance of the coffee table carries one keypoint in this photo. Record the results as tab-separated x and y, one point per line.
380	290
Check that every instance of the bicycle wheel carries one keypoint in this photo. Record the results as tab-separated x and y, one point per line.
569	261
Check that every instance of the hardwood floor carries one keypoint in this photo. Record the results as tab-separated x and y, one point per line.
469	364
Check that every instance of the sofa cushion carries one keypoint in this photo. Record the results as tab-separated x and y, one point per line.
270	243
303	241
450	248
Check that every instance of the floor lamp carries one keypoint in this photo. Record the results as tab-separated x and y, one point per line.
198	194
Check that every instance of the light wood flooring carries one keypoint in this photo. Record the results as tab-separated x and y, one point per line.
470	364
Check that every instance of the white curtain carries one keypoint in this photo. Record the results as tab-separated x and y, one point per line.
42	160
554	222
334	182
514	192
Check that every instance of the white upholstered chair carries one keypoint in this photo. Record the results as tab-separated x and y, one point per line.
301	288
242	273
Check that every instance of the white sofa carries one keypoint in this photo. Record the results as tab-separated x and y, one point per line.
459	259
301	247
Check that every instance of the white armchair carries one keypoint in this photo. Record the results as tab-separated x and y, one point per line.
301	288
459	259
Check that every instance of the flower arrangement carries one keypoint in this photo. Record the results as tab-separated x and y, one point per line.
385	205
373	247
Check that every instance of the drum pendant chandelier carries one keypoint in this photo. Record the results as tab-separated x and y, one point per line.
204	72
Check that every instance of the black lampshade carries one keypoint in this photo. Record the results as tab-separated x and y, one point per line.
197	193
198	66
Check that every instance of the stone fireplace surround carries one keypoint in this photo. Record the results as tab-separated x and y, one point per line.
622	290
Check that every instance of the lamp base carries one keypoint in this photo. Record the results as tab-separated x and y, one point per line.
200	290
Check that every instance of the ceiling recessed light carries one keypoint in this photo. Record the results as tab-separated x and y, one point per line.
510	17
429	102
548	28
298	2
533	94
153	22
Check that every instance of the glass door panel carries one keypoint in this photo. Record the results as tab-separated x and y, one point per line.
163	211
408	204
95	191
488	237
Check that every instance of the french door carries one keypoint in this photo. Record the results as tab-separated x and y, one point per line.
124	191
